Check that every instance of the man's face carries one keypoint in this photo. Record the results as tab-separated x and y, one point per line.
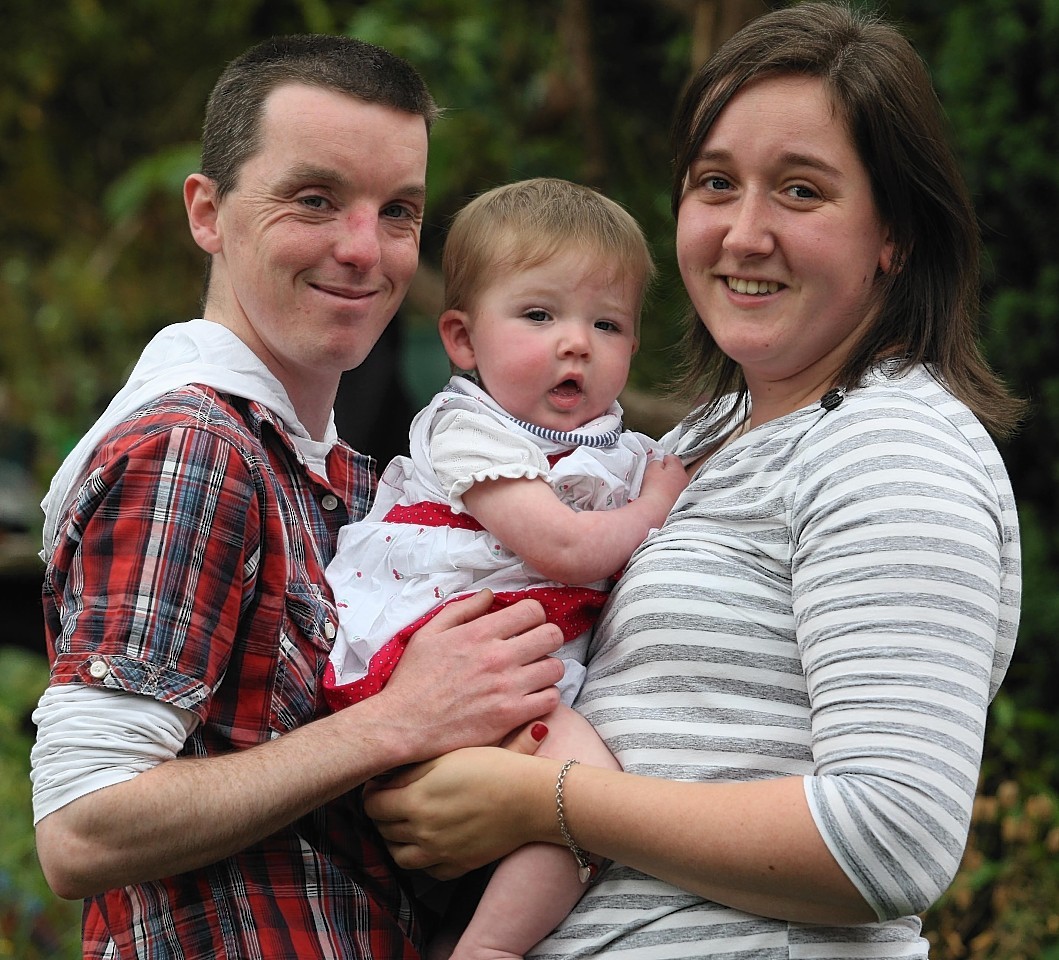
314	248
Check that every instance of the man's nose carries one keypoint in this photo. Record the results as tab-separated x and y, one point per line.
357	242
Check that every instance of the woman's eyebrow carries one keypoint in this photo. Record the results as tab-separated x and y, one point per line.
789	159
807	160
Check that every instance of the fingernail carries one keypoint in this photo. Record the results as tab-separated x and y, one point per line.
538	731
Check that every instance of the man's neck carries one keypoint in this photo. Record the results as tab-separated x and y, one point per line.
314	412
313	398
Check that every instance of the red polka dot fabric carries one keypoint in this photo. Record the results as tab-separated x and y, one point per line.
572	609
428	514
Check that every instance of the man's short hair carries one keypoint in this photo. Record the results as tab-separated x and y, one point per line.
231	133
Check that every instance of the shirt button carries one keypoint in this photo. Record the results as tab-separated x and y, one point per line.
329	502
329	630
99	669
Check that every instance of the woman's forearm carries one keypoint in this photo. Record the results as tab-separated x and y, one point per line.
752	846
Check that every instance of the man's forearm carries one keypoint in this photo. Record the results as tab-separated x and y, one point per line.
189	812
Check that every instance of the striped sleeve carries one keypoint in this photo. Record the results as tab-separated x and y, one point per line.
898	570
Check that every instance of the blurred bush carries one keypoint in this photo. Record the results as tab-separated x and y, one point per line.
34	925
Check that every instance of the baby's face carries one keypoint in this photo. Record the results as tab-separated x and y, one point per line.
553	343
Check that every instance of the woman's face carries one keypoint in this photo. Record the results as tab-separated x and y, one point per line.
778	239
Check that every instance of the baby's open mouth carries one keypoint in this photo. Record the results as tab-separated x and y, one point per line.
568	388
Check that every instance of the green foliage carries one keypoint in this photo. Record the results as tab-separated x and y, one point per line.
994	63
33	924
996	72
1004	904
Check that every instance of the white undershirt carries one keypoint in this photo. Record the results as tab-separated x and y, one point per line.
89	737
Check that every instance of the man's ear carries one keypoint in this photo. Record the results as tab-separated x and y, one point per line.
454	329
202	205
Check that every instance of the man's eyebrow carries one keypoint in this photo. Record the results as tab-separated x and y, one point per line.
413	191
308	175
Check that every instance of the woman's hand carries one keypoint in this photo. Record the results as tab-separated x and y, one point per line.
463	810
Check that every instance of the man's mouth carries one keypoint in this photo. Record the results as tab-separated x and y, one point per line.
346	293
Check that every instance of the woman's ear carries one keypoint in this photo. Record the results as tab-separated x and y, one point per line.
891	259
202	205
455	331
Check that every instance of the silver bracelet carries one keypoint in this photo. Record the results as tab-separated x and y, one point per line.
585	867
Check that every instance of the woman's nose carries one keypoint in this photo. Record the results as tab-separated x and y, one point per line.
749	232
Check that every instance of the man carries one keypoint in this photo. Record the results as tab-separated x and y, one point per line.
187	782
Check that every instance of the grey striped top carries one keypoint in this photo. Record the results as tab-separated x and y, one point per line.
834	596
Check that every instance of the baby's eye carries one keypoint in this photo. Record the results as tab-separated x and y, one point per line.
537	315
608	325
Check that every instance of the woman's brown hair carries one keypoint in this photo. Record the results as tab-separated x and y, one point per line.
928	303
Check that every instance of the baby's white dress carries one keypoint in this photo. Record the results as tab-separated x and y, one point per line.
418	549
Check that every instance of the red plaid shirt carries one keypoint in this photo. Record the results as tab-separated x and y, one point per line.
192	564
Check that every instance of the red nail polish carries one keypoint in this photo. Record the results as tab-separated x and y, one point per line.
538	731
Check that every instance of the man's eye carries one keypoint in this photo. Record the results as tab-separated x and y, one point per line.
313	202
398	211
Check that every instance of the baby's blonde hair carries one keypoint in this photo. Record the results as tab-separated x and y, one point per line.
526	223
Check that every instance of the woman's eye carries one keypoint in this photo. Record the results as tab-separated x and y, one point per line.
715	183
801	192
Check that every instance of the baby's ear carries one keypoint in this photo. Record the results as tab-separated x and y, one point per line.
454	327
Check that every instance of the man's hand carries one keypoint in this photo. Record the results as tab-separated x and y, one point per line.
469	677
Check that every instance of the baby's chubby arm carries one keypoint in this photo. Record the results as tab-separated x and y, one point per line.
568	545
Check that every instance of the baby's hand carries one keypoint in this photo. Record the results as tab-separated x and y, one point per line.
663	481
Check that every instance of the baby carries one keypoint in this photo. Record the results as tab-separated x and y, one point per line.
520	480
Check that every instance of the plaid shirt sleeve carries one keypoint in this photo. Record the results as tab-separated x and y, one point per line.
166	551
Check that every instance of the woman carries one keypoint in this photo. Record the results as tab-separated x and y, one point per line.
795	670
